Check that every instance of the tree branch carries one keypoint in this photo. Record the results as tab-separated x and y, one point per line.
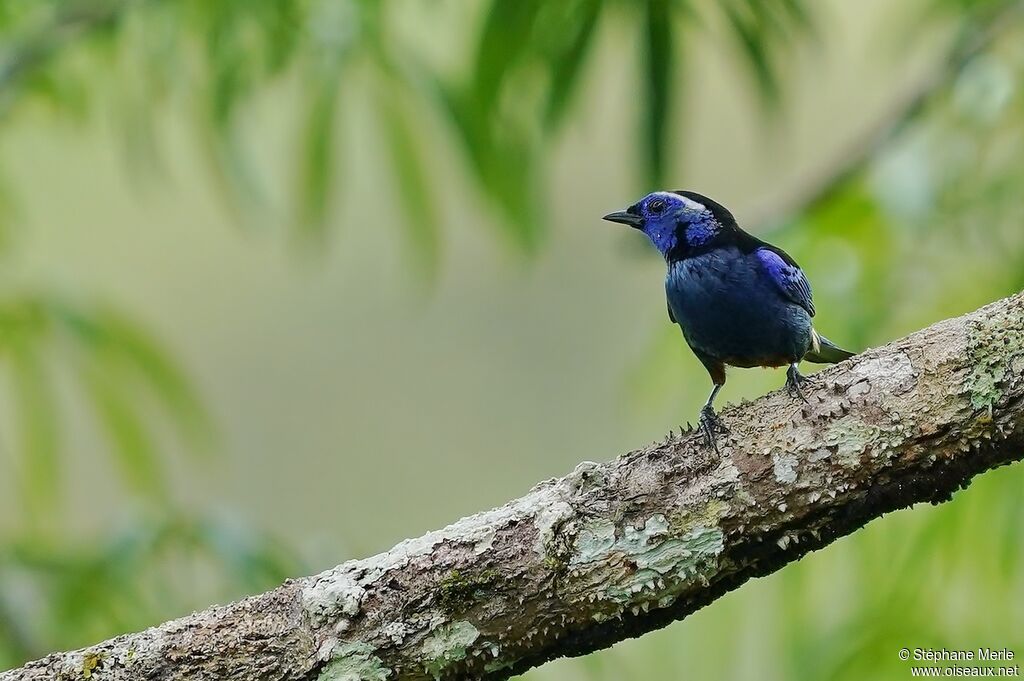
615	550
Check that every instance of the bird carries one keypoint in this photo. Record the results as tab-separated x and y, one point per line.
739	301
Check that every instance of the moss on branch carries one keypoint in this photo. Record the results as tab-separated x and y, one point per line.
618	549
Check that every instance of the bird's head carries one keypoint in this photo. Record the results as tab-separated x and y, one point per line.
677	223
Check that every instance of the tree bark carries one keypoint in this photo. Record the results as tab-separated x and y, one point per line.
614	550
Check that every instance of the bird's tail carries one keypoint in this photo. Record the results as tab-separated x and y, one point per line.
824	351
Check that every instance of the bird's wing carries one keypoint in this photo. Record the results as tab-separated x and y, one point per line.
786	275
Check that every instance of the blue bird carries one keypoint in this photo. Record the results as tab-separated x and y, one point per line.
739	301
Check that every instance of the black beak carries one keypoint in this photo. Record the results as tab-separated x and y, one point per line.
626	218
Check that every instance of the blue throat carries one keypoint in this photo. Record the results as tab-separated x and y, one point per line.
664	234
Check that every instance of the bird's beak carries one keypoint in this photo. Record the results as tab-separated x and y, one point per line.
625	217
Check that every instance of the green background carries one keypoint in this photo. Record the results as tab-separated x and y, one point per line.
286	283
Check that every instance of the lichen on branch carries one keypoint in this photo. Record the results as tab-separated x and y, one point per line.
617	549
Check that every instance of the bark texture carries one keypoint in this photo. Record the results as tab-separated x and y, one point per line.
617	549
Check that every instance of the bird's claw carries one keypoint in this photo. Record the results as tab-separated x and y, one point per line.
794	381
709	424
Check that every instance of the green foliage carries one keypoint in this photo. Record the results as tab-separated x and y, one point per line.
67	594
527	60
411	166
923	226
915	226
124	375
760	30
659	60
55	591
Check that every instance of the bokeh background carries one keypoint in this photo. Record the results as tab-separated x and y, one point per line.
285	282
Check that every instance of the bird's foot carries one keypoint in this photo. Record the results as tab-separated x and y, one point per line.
794	381
710	424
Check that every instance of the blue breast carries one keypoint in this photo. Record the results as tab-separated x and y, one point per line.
730	310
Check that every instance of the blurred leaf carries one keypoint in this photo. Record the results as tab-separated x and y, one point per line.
335	31
800	14
317	163
130	384
852	215
577	37
234	172
504	160
749	31
75	592
525	61
8	215
255	561
655	375
16	644
39	425
151	365
504	38
411	171
128	354
128	436
1011	557
659	64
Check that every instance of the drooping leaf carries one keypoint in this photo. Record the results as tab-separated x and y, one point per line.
157	374
566	63
134	391
336	31
412	173
133	358
505	161
798	11
504	39
659	70
38	421
317	162
130	441
749	35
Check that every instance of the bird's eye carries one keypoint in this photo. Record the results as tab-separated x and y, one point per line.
656	206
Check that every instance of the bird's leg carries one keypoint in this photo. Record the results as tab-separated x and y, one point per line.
709	420
794	379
